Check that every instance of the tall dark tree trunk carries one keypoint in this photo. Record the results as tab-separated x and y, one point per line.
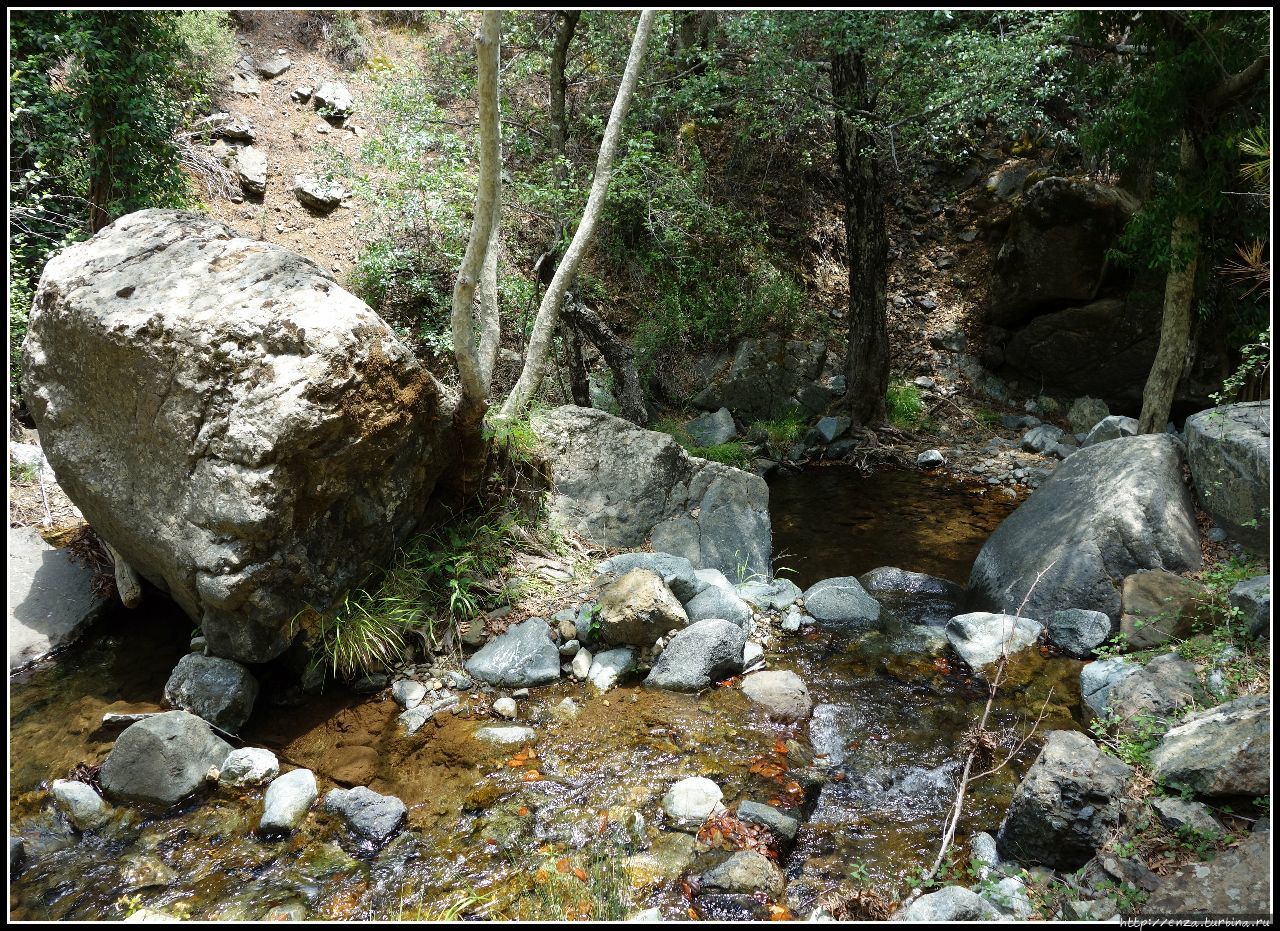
867	238
579	384
559	121
619	356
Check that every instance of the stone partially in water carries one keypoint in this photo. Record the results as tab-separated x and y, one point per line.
525	655
287	801
951	903
981	638
507	734
83	807
718	599
780	823
783	694
162	759
374	817
609	665
352	766
219	690
699	655
747	872
691	801
249	766
913	597
843	602
772	596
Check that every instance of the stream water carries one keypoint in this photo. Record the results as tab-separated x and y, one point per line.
501	834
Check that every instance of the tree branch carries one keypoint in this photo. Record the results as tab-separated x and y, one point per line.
1237	84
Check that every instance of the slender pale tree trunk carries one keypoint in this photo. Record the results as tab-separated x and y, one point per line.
544	324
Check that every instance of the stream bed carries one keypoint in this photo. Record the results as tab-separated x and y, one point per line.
573	827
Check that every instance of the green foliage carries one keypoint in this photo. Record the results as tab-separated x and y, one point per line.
554	895
208	49
1131	740
734	453
1255	358
783	430
904	405
517	435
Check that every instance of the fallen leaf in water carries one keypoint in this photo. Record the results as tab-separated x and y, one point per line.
531	776
693	916
779	913
779	746
686	890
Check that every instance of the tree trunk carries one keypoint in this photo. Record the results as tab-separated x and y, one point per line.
579	383
1179	293
559	122
867	365
544	325
620	357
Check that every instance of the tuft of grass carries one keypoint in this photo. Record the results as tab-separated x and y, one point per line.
904	406
783	430
600	890
734	453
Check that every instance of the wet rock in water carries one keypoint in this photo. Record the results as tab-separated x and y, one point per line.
1066	805
1229	452
1157	607
318	194
567	710
729	906
981	638
1158	690
752	656
1078	632
842	602
712	429
638	608
1109	511
146	872
676	571
951	903
931	459
507	734
251	170
353	765
1177	814
747	872
51	598
718	600
249	766
374	817
1252	598
691	801
219	690
505	707
1110	428
333	99
913	597
291	911
648	914
832	428
769	596
297	444
610	665
287	801
776	821
1224	751
524	656
83	807
702	653
408	693
617	484
581	664
17	854
783	694
791	623
1235	883
1098	678
162	760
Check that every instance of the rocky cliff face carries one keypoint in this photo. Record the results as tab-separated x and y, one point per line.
249	437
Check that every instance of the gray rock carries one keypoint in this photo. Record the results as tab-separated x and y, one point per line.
83	807
333	98
780	823
752	656
1162	687
617	484
1085	413
51	598
676	571
608	666
981	638
638	608
506	734
769	596
1110	428
235	128
570	648
843	602
1066	805
712	429
248	766
838	384
770	377
983	853
505	707
832	428
791	623
374	817
161	760
951	903
1042	439
1252	598
702	653
287	801
219	690
931	459
1229	452
1078	632
581	664
1157	607
1235	883
408	693
1010	896
272	66
1109	511
1019	421
747	872
691	801
17	855
319	194
1176	814
245	84
249	437
525	655
301	93
251	169
1098	678
718	600
1224	751
782	693
648	914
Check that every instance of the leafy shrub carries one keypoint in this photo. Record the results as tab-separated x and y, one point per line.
904	406
209	48
399	277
